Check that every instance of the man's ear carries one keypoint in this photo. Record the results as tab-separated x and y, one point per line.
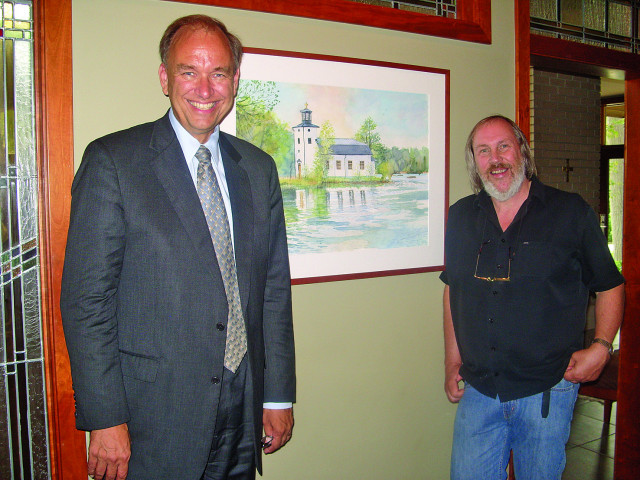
236	80
164	79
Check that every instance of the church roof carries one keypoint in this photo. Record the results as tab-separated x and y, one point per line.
306	123
349	146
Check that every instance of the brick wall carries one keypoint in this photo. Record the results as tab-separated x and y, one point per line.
565	124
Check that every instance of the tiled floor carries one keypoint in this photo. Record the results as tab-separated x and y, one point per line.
591	444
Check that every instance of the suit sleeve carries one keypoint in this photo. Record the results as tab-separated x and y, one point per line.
279	382
93	260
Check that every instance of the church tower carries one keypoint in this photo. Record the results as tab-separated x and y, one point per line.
305	136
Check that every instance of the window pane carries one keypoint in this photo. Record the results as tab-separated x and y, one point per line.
571	12
544	9
594	14
620	19
441	8
614	131
609	24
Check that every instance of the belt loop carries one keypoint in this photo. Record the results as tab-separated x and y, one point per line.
546	398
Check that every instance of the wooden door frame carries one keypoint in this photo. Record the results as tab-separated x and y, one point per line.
54	148
578	58
54	121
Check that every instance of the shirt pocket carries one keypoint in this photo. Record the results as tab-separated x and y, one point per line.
544	260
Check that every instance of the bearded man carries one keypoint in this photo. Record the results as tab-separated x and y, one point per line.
521	259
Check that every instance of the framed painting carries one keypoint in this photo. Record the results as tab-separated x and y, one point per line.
362	154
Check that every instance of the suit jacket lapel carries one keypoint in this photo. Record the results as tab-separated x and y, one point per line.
172	172
242	208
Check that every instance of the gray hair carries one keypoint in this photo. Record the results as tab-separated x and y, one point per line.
200	22
525	151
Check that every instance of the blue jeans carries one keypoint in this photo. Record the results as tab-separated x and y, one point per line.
486	429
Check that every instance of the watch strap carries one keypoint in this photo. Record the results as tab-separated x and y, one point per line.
602	341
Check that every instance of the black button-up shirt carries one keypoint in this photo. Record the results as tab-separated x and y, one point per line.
516	337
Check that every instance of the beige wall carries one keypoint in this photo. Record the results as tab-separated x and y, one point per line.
370	403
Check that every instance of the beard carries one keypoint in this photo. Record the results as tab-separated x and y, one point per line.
518	179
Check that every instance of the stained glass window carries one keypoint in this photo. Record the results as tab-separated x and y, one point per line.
441	8
604	23
24	443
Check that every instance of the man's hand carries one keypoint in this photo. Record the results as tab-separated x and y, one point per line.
452	381
277	424
586	365
109	452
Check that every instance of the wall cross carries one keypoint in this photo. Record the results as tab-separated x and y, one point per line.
567	169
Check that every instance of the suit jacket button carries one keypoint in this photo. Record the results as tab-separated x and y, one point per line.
220	326
215	380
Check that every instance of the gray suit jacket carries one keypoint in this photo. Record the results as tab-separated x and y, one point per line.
142	295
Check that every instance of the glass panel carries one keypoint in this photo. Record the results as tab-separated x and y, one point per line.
8	10
4	218
5	455
10	110
620	17
544	9
604	23
571	12
23	75
24	445
31	300
3	143
615	131
38	422
22	12
595	14
616	187
28	195
442	8
614	124
14	233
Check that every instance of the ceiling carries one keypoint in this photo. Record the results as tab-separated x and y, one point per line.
610	87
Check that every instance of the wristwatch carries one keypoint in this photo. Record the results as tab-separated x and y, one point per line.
602	341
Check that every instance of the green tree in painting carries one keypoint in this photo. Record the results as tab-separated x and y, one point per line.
370	136
326	140
257	123
367	133
254	100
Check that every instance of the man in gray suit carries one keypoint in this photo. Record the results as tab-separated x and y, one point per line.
176	297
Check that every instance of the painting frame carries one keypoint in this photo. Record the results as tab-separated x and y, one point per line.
385	78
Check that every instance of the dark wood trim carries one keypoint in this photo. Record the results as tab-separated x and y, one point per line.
54	92
604	61
523	66
473	23
627	460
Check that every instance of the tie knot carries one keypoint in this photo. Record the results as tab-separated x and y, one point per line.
203	154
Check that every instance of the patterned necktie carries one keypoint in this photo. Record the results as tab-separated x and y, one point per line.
218	222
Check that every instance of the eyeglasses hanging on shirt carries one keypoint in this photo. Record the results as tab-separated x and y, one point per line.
498	266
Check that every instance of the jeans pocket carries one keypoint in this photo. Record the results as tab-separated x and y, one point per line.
565	386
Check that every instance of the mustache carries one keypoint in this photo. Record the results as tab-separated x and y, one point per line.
498	166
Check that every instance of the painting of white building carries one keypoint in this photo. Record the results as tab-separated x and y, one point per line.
349	157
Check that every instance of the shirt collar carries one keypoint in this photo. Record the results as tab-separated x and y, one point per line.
189	144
